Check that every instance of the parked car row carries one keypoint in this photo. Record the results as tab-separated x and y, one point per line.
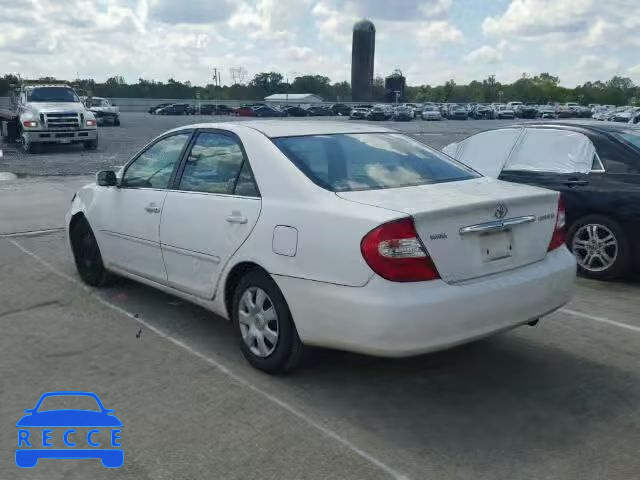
610	113
251	110
464	111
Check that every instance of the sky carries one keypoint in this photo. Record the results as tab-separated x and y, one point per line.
429	40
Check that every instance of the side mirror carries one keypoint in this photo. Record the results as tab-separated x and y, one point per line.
106	178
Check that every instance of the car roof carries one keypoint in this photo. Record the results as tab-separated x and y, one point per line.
294	128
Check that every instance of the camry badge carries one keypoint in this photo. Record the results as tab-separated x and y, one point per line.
500	211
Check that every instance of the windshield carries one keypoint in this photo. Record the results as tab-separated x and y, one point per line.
52	94
95	102
630	136
348	162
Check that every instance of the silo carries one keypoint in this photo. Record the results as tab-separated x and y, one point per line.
362	53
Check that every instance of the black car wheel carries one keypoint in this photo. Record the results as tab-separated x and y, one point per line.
601	247
91	144
266	332
86	254
27	144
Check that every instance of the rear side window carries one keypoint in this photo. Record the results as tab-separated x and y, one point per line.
365	161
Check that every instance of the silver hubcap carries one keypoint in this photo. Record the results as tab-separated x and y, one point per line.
258	322
595	247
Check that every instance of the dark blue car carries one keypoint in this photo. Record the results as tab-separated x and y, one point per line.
30	453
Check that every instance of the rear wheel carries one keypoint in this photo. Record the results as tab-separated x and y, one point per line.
600	246
267	335
87	254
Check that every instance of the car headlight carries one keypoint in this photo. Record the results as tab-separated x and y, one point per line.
90	122
30	123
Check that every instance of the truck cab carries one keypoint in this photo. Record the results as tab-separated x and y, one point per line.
50	113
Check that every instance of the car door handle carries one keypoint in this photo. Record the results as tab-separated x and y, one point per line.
152	208
236	219
574	182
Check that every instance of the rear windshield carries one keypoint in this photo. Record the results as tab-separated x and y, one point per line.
366	161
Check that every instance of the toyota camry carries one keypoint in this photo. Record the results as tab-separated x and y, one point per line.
328	234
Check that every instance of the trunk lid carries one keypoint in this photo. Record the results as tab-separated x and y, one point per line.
476	227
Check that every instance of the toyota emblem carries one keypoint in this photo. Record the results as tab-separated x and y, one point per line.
501	211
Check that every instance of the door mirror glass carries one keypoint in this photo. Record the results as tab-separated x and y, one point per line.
106	178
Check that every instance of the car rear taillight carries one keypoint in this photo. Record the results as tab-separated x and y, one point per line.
394	251
559	232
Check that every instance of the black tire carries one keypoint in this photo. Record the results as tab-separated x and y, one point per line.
87	256
27	145
91	144
288	349
116	122
619	268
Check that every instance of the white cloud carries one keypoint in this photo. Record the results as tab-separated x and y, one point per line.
532	18
437	33
394	10
485	54
596	64
568	24
198	11
299	54
489	54
428	40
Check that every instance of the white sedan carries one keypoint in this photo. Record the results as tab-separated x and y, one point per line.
330	234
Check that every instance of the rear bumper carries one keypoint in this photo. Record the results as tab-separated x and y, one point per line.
61	136
402	319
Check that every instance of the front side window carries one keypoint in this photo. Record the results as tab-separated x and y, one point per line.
154	166
212	165
365	161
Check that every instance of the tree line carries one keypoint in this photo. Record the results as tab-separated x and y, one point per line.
540	88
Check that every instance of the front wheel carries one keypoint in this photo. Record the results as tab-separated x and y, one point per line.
91	144
27	144
267	335
600	246
86	254
116	122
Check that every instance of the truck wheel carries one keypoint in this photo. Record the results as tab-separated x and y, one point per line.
91	144
116	122
27	145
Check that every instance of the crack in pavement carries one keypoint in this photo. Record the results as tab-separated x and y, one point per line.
30	307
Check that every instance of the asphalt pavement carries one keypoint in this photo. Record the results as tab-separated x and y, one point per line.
556	401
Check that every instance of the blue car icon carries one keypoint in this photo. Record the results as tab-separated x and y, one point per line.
30	453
